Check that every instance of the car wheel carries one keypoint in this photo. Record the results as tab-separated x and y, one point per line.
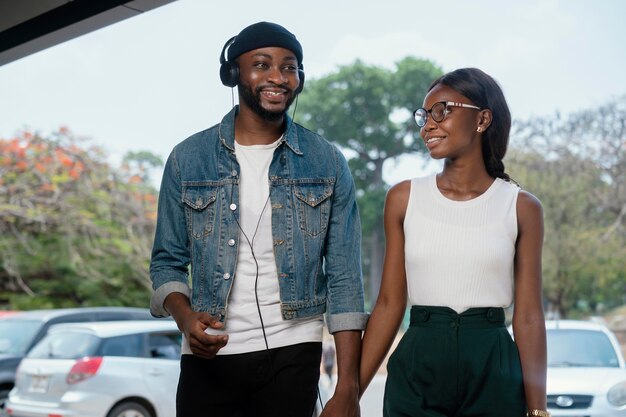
129	409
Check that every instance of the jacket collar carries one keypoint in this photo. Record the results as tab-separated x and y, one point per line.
226	131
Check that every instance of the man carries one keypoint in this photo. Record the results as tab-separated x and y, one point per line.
261	213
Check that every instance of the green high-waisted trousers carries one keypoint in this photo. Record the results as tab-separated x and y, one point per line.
455	365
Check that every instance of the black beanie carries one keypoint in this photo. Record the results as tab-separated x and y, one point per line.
261	35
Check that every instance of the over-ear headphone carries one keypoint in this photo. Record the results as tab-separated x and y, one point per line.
301	76
229	71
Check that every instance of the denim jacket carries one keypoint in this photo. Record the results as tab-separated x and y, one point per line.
315	227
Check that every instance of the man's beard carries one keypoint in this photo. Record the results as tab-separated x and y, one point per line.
254	102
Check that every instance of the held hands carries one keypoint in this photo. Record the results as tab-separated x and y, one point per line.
193	325
344	403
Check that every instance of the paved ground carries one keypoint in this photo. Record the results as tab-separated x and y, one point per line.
371	403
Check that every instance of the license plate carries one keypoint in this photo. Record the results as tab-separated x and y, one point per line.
38	384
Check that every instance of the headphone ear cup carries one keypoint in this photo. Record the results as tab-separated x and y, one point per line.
301	85
229	74
229	71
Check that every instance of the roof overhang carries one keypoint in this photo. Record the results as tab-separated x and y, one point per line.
28	26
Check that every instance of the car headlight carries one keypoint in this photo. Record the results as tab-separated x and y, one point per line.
617	394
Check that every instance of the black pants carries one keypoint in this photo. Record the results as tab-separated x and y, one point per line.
280	382
455	365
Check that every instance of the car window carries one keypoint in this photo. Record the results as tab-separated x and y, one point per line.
571	347
65	345
165	345
16	335
129	345
71	318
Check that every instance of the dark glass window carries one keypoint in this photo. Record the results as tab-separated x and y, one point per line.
129	345
165	345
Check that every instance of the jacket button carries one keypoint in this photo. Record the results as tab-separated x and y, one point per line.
233	173
226	276
233	207
199	201
231	242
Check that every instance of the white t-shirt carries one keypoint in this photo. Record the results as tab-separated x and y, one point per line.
243	323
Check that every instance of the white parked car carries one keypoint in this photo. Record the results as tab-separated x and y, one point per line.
21	330
100	369
586	370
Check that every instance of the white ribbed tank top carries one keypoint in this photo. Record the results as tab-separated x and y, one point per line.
460	254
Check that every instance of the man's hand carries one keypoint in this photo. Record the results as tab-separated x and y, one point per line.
193	325
201	344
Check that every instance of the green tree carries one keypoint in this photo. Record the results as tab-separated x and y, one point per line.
367	111
577	167
141	163
73	230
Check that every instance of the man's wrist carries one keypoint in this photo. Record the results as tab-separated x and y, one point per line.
347	385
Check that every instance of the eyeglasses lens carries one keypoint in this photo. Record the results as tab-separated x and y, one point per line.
438	112
420	117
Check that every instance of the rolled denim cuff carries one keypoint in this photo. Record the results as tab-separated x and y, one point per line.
159	296
346	321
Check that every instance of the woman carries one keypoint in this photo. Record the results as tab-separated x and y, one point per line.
462	245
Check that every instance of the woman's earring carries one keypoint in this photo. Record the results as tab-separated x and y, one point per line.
479	129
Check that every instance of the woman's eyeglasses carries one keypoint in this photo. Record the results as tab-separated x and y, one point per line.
438	111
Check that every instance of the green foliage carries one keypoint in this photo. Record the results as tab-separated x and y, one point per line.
576	167
358	105
140	163
74	230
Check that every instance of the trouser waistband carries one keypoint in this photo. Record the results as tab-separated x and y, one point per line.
436	316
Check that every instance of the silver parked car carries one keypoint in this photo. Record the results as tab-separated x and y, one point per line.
100	369
20	331
586	370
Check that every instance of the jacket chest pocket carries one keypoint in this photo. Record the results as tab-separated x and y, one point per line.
313	207
200	209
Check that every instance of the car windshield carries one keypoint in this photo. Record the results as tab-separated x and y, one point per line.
16	335
65	345
571	347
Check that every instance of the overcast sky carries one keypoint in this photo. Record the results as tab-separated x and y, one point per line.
150	81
